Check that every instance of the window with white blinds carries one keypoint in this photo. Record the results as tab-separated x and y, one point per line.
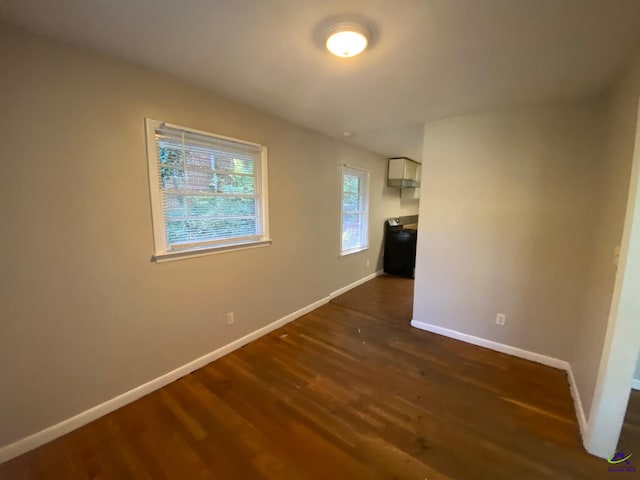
208	192
354	232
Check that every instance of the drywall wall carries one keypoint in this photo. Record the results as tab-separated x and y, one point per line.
620	115
506	222
85	314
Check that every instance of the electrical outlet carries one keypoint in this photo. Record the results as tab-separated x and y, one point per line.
368	262
501	319
230	319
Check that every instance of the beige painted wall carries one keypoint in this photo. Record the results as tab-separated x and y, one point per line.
506	223
613	188
85	315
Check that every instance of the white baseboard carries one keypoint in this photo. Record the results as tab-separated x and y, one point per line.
355	284
636	384
516	352
499	347
577	402
23	445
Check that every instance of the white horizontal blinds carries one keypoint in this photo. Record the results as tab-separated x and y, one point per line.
354	209
210	188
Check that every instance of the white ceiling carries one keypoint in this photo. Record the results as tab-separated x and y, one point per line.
430	58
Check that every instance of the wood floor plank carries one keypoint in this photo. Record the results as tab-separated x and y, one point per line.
349	391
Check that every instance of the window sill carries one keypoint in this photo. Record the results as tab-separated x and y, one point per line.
199	252
355	250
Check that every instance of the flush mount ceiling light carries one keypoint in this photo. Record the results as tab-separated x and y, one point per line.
347	39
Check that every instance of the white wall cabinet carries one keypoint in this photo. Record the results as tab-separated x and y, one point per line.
404	173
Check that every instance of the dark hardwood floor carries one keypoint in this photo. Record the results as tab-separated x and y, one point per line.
630	435
349	391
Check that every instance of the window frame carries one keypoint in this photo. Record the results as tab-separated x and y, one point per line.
163	251
362	174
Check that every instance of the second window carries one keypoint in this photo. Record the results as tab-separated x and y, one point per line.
354	232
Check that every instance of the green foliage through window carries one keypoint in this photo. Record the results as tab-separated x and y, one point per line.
354	209
207	194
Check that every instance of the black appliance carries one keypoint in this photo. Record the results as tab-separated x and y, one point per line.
400	239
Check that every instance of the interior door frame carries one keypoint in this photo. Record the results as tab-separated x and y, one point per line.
622	340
